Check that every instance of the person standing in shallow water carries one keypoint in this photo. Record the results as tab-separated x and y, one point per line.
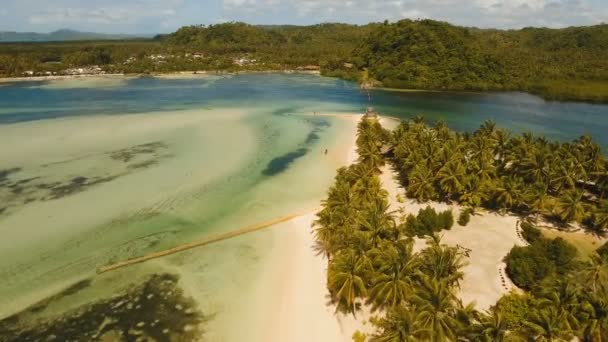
325	151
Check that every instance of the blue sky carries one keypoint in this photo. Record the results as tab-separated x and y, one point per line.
156	16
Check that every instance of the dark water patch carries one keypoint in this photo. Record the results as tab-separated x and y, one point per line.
7	172
127	154
153	310
282	163
285	111
143	165
312	137
77	184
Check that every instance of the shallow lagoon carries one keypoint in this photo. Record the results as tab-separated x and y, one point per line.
101	171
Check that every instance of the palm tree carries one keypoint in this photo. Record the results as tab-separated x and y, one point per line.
537	167
421	185
600	216
378	221
452	177
369	155
491	327
565	175
509	194
547	324
346	281
395	266
475	193
564	296
399	325
538	200
436	304
594	275
595	325
367	190
570	206
442	262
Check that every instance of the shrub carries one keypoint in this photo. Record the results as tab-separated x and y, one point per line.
428	222
464	217
530	233
446	220
528	266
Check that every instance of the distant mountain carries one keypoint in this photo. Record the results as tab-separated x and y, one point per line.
63	35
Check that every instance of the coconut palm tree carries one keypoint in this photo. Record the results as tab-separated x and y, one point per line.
395	266
399	325
509	194
562	294
421	183
600	217
570	206
346	279
536	168
369	155
378	222
595	325
565	175
491	327
594	275
442	262
452	177
546	324
435	303
538	200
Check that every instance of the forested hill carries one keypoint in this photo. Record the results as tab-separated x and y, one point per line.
282	45
570	62
565	63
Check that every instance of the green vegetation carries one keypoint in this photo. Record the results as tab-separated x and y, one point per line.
530	233
464	217
371	258
529	266
558	64
531	176
563	64
428	222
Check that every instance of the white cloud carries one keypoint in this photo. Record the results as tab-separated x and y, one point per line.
482	13
111	14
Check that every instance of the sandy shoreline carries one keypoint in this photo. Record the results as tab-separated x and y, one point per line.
180	74
300	309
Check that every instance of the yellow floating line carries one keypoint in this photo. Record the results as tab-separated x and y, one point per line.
187	246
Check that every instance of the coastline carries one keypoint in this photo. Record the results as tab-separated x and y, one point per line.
300	310
180	74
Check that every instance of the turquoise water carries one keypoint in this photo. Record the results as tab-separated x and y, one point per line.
463	111
93	172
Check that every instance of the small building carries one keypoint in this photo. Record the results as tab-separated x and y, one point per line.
29	73
349	65
197	55
371	113
312	68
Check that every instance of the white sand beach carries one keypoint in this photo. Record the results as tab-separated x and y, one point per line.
488	236
300	308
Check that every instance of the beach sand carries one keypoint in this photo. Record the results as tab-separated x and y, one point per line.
488	236
299	307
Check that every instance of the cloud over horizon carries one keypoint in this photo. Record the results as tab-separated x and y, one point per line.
153	16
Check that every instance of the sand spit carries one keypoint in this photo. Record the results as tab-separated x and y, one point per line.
300	309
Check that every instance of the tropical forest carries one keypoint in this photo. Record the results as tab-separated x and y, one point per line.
413	295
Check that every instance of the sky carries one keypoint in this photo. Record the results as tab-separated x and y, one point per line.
163	16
